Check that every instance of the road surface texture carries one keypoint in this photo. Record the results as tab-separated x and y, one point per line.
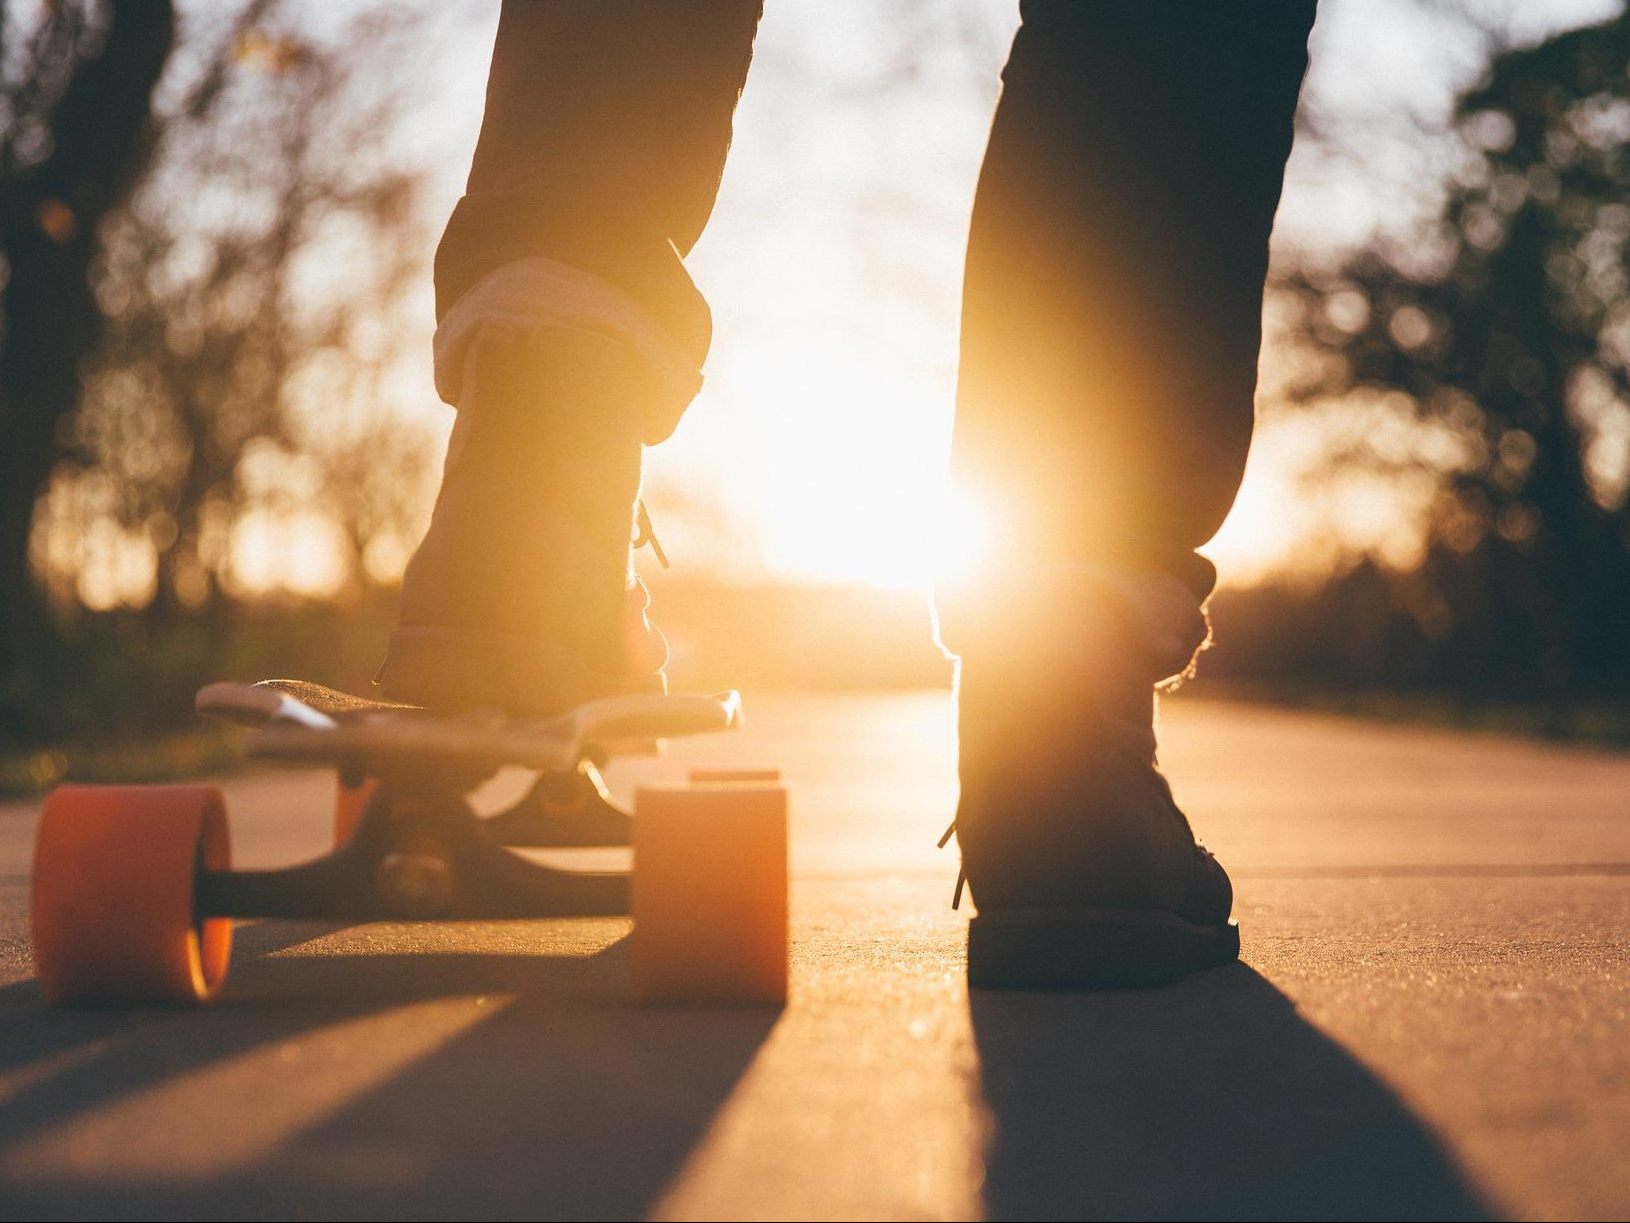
1431	1019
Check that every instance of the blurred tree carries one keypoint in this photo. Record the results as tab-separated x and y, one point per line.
76	90
1505	332
253	291
212	233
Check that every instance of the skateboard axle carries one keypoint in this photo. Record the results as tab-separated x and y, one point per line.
413	855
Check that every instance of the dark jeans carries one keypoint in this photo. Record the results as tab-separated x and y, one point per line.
1112	306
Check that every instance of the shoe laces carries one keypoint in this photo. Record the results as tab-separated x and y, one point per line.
646	648
961	869
645	533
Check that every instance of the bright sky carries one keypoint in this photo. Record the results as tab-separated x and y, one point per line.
833	263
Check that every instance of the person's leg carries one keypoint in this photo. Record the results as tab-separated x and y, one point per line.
602	145
1110	333
569	334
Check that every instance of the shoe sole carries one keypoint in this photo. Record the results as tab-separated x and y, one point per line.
1092	949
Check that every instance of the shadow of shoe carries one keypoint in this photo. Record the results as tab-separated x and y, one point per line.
1210	1099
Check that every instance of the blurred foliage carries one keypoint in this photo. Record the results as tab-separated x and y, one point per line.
216	362
76	88
252	292
1500	339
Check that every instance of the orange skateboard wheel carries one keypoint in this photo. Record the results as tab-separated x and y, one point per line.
349	802
112	910
710	892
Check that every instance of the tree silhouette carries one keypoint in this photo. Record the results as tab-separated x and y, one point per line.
76	94
1505	329
210	241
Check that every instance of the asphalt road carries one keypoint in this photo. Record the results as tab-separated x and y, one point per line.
1432	1019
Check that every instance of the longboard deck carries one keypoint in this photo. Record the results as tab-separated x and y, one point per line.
298	721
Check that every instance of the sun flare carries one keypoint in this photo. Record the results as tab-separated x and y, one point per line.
835	467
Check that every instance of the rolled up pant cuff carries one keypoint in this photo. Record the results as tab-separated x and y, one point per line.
538	294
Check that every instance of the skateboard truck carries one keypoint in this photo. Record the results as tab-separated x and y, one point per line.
416	852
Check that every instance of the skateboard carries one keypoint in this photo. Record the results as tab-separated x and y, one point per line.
134	895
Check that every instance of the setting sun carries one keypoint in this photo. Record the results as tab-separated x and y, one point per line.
834	467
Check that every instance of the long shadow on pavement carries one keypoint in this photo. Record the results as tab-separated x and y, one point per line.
562	1100
1209	1099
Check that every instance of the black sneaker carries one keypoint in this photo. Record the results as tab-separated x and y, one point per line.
1085	872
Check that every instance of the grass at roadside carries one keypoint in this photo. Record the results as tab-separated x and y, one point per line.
1598	723
166	757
